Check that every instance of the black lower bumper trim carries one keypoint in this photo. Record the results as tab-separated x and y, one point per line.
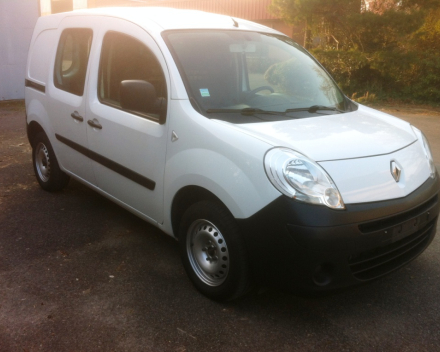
314	248
383	260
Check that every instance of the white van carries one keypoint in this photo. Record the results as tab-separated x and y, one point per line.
233	139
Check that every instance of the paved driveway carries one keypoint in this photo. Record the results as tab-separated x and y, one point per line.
78	273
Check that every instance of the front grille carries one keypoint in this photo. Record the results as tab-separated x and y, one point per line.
378	262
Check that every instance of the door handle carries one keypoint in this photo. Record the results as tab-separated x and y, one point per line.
95	124
77	116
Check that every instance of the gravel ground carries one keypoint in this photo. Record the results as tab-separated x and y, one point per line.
79	273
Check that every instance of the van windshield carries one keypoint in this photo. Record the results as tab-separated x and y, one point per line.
250	73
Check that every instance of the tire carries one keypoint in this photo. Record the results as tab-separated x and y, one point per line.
46	168
213	252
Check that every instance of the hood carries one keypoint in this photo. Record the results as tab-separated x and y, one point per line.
362	133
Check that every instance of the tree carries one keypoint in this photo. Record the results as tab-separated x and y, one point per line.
388	47
324	16
380	6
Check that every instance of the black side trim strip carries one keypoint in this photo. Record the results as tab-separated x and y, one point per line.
36	86
122	170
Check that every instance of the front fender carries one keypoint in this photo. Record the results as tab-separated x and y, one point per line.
244	191
218	157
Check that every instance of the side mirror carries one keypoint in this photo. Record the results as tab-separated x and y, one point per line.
138	96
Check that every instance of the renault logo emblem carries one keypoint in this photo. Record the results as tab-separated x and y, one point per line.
395	171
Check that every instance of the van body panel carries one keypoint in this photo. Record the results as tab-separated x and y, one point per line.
39	65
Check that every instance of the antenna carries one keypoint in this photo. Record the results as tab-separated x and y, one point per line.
235	22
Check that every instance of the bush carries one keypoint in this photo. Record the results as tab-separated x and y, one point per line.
385	74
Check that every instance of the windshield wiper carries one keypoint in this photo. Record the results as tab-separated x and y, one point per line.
315	108
253	111
246	111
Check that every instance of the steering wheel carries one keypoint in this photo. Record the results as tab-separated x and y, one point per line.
258	89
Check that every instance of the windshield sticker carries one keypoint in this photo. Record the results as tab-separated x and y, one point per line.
204	92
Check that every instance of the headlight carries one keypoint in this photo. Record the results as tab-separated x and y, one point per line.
298	177
425	146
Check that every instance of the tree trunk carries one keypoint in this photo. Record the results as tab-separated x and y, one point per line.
308	33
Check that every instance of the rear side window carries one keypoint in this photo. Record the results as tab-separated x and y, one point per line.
126	58
72	59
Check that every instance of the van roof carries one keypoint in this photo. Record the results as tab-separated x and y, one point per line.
170	18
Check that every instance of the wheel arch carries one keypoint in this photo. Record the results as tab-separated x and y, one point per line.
33	128
37	118
186	197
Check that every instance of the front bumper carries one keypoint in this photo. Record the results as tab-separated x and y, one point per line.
305	247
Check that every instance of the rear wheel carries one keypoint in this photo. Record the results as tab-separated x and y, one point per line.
213	251
48	173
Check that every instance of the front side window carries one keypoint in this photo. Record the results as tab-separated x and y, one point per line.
72	60
227	71
125	59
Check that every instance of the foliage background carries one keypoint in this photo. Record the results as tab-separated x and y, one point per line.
385	49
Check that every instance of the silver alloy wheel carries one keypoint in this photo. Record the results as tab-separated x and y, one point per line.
42	162
207	252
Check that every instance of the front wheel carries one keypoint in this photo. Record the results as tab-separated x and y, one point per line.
48	173
213	252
